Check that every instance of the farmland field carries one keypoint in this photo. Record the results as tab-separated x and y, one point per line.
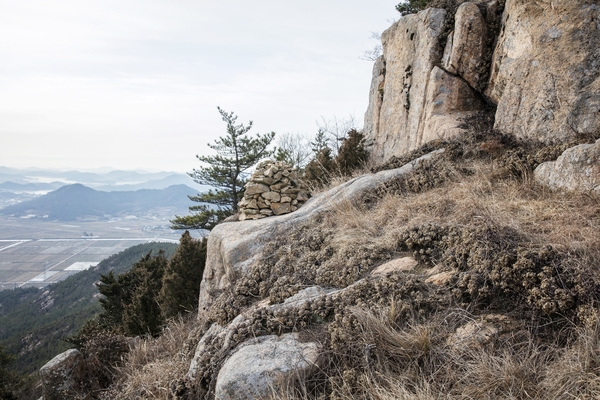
34	252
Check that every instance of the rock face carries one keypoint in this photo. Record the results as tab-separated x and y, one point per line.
466	45
234	246
262	366
411	49
578	168
273	189
60	376
544	73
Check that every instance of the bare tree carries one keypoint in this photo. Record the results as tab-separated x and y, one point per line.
375	52
335	130
293	148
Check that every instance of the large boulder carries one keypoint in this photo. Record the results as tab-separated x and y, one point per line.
235	246
261	367
62	376
578	168
545	73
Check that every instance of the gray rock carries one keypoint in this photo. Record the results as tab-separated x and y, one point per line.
449	99
578	169
61	375
262	366
466	45
411	49
545	75
256	188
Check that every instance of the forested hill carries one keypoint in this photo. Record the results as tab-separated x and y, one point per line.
77	201
33	321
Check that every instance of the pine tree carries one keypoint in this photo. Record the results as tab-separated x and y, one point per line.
411	6
9	380
236	153
181	281
143	315
352	154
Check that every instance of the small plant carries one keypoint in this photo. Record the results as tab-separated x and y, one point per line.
411	6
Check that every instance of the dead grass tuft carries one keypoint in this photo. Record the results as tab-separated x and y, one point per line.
154	365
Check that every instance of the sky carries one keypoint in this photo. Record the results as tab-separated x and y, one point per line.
135	84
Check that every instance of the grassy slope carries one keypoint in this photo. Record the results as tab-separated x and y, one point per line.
33	322
523	284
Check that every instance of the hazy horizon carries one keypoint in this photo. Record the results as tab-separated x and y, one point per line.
136	85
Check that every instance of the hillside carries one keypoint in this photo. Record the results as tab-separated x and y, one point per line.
33	322
77	201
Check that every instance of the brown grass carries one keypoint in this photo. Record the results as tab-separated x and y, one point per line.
155	365
383	347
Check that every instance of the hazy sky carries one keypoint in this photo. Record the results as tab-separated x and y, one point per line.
136	83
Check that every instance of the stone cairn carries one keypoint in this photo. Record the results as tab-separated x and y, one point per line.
273	189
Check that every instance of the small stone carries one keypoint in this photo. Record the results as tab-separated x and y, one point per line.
286	199
440	279
399	264
294	202
252	204
294	208
266	211
278	175
256	188
285	173
263	179
302	196
271	196
281	208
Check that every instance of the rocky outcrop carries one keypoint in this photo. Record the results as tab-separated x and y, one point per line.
273	189
466	45
543	73
235	246
265	365
62	375
411	48
578	168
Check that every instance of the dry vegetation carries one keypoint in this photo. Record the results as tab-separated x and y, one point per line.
517	318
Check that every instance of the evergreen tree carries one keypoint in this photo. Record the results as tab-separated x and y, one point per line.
411	6
181	282
352	154
236	153
9	380
143	315
130	302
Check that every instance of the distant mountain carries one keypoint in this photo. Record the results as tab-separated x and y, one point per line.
73	202
170	180
29	187
114	180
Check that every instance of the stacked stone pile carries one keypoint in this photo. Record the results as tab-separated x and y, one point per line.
273	189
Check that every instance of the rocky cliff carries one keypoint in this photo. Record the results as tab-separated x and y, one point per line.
536	62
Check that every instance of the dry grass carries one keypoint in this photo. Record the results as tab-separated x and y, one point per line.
566	220
397	348
154	365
